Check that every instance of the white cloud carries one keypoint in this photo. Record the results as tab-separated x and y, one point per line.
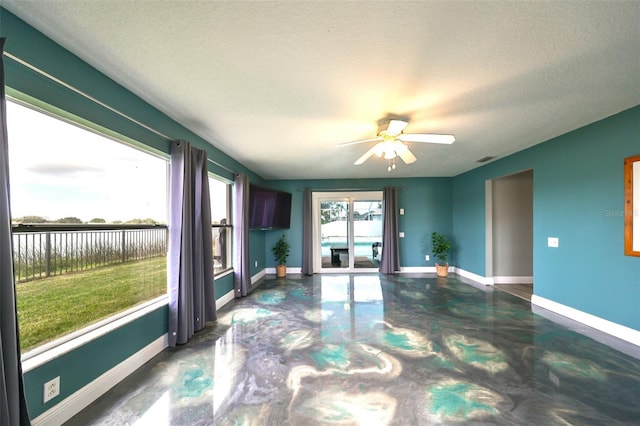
59	170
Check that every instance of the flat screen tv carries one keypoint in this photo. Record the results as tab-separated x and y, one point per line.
268	208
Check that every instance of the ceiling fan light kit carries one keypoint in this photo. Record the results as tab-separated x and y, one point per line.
390	141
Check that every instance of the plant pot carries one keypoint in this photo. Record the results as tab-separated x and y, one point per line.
442	270
281	271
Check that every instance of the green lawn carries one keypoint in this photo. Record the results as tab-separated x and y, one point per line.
52	307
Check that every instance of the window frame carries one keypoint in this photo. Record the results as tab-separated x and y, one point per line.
55	348
227	226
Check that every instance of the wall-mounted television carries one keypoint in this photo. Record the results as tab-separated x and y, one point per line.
268	208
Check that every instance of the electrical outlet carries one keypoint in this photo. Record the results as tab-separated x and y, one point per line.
401	235
256	263
51	389
553	242
426	258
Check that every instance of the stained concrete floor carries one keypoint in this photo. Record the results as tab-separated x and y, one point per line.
378	350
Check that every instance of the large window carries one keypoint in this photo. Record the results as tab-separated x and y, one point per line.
89	221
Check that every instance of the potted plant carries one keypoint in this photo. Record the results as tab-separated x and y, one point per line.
441	249
281	252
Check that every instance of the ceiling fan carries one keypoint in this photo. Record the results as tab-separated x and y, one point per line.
391	141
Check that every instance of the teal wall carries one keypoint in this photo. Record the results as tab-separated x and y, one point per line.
223	285
578	196
427	204
256	251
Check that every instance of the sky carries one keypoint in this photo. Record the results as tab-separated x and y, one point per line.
60	170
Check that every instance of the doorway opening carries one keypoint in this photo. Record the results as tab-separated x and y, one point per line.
509	233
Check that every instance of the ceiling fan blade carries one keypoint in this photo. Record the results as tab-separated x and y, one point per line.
366	156
395	127
407	156
427	138
376	139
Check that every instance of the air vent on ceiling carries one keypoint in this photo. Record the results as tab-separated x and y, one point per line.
485	159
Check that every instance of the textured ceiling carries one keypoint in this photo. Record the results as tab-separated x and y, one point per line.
276	85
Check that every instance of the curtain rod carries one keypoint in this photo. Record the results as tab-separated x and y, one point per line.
98	102
222	166
84	94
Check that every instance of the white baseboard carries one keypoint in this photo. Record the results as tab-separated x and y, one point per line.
417	269
473	277
225	299
620	331
513	280
290	270
257	277
74	403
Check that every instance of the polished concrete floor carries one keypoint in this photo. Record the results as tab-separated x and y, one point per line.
378	350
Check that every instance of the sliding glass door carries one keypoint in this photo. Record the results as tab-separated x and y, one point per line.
348	231
334	229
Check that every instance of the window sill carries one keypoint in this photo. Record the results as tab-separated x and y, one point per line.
55	349
223	273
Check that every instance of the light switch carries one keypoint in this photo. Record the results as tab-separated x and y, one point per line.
401	212
402	235
553	242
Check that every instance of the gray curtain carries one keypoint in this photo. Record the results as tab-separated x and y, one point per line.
13	406
390	261
192	300
307	234
242	271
